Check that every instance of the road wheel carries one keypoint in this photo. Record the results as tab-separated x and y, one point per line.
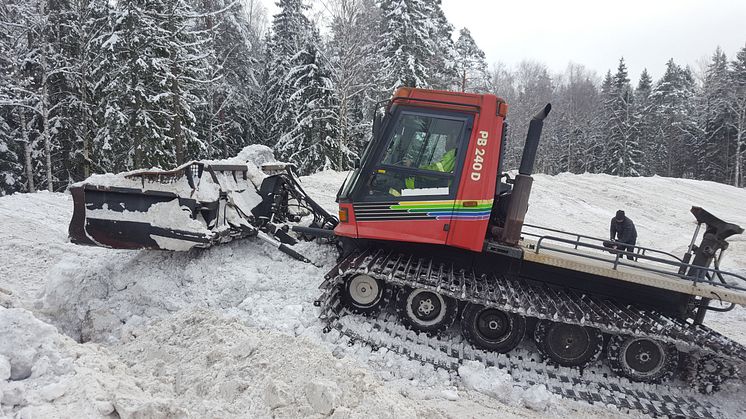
492	329
568	345
425	310
363	294
642	359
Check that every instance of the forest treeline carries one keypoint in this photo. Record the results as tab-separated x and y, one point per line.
91	86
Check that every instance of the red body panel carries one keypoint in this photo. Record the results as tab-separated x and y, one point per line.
349	228
417	231
476	186
470	234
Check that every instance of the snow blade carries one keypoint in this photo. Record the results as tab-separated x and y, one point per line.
195	205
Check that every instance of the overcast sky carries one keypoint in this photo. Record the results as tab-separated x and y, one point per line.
596	33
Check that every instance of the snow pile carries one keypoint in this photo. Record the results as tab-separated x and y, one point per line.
45	374
7	298
253	156
256	154
94	299
233	328
500	385
214	365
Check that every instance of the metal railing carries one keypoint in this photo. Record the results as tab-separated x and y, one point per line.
573	245
640	250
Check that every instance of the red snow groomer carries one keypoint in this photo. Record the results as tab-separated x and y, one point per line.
433	244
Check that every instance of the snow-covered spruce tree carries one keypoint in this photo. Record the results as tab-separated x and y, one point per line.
312	143
84	28
738	123
406	47
72	25
622	151
354	61
443	57
10	168
155	60
677	130
228	119
471	65
290	31
714	149
29	47
646	129
303	115
20	93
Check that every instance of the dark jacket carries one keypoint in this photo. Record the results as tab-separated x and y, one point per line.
624	232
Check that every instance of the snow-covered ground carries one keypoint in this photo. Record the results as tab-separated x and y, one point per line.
232	331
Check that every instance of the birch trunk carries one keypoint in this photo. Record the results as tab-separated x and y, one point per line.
737	178
27	152
84	123
45	100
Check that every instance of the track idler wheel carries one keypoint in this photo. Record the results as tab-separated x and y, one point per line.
425	310
642	359
363	294
568	345
492	329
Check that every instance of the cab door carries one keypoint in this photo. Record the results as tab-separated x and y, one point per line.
410	191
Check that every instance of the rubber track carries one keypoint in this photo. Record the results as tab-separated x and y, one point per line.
538	301
385	332
589	386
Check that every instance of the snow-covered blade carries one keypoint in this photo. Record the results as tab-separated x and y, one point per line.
195	205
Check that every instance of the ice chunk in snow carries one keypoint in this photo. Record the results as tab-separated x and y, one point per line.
52	391
537	397
256	154
276	394
491	380
4	368
322	395
23	339
499	384
448	394
13	394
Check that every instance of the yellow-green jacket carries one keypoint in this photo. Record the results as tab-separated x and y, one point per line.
446	165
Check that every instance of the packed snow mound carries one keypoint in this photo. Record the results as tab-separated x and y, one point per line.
213	365
253	156
659	206
46	374
256	154
500	385
101	298
246	290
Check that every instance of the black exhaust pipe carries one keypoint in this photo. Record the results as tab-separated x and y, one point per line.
532	141
510	234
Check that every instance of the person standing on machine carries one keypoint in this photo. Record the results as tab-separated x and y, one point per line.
623	233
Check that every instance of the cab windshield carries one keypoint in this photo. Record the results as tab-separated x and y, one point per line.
420	156
422	142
